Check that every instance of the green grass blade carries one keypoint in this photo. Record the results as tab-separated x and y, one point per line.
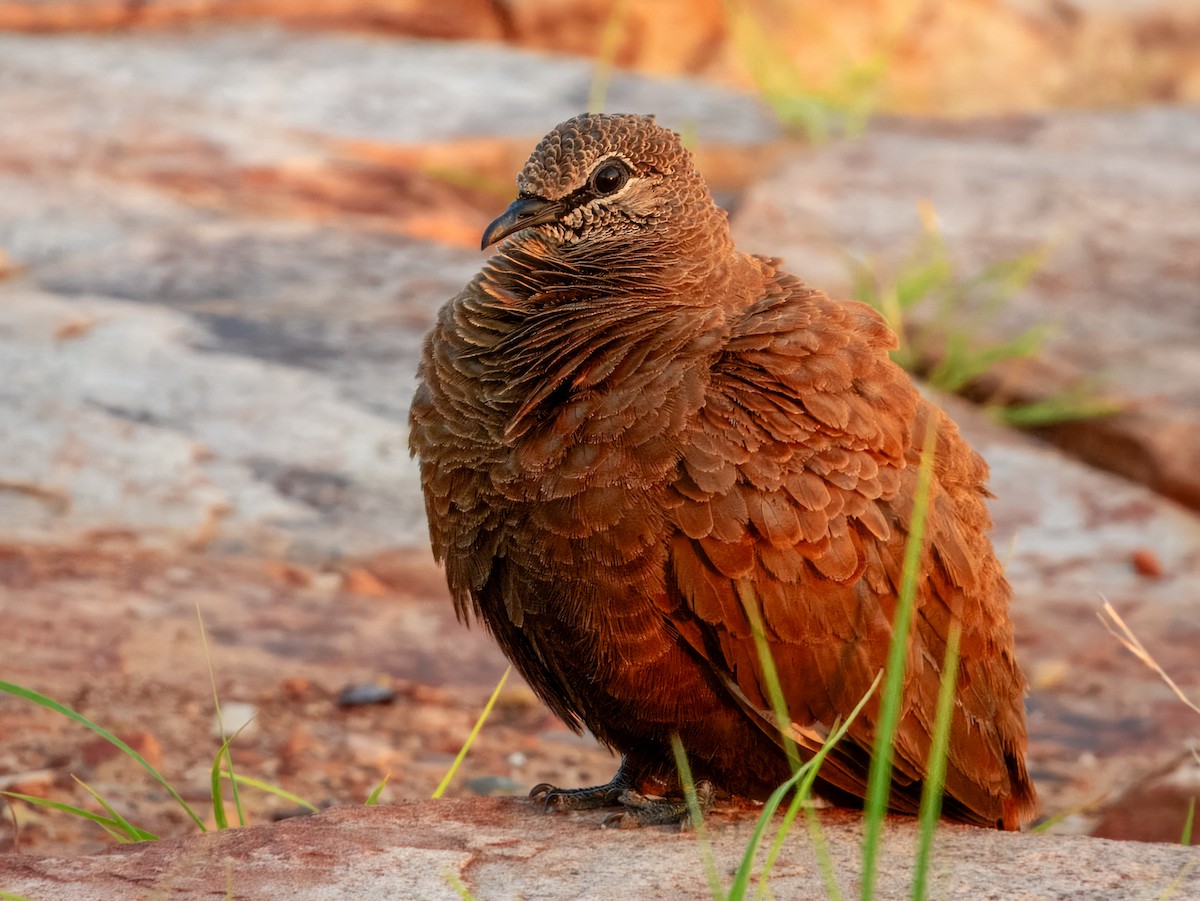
51	704
921	279
696	815
935	779
804	777
215	775
801	801
816	835
1080	401
271	789
373	798
462	753
943	337
880	776
1171	892
218	798
134	833
783	719
1051	821
964	362
1186	838
455	883
793	102
235	790
9	896
108	824
844	106
741	878
57	805
1005	278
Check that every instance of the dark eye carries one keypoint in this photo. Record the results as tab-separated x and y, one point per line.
609	178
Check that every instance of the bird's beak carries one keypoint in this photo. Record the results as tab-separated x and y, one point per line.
521	213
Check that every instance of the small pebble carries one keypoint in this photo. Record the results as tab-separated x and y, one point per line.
516	760
1146	563
366	693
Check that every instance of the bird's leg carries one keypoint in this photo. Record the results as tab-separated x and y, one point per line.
606	795
642	810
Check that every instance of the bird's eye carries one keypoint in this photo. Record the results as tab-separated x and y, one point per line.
609	178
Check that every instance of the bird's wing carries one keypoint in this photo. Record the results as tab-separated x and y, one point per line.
448	432
795	497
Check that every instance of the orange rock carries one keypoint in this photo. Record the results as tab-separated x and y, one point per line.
288	574
362	581
75	327
464	18
406	572
295	687
1146	563
8	266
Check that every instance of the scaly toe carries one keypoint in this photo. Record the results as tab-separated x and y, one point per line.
554	798
644	810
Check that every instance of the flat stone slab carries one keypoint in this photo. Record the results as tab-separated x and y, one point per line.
213	298
502	848
147	420
399	90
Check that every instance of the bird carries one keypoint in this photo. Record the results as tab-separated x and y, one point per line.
645	453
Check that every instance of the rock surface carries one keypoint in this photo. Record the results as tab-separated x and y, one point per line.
153	198
504	849
953	58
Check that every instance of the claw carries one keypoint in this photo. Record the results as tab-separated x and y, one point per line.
618	820
543	792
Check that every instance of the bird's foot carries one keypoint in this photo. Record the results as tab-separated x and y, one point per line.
607	795
644	810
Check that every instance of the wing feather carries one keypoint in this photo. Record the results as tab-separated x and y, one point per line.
804	457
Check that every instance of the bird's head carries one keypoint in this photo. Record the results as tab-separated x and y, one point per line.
602	178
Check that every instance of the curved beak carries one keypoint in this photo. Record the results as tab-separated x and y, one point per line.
523	212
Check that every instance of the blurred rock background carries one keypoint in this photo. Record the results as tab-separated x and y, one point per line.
225	228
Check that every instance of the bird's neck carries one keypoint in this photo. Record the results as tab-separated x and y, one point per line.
561	325
682	268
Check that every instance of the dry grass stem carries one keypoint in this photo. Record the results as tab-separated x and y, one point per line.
1124	634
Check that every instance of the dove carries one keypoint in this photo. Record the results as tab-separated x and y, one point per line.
639	447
